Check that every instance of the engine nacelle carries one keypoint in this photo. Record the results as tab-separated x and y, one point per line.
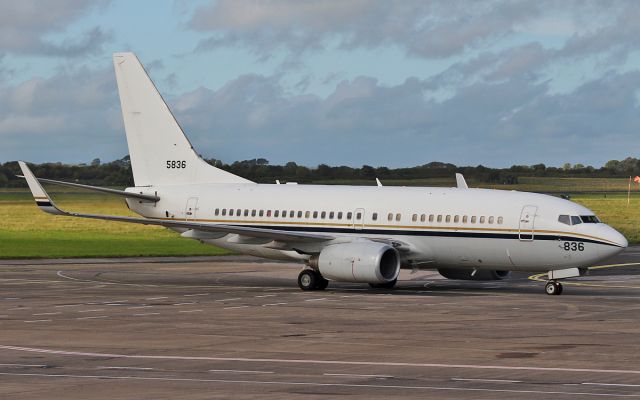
366	262
468	275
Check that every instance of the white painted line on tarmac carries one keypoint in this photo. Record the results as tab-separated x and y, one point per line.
37	320
138	307
94	310
319	384
233	299
24	365
95	317
156	298
273	304
47	313
231	308
145	314
184	304
11	298
69	305
610	384
265	295
360	375
321	362
189	311
19	308
197	294
324	298
486	380
238	371
127	368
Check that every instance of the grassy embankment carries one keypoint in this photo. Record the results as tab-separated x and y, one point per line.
26	232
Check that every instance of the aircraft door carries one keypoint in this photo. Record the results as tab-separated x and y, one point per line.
527	223
191	208
358	219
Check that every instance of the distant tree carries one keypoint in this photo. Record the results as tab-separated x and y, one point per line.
95	162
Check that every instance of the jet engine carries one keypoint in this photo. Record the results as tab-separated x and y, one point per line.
469	275
363	262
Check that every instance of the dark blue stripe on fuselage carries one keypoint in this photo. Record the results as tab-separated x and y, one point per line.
43	203
404	232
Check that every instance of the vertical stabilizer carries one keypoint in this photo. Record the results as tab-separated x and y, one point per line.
159	150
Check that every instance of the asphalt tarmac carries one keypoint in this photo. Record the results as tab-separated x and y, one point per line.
238	327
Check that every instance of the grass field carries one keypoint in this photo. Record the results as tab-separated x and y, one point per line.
26	232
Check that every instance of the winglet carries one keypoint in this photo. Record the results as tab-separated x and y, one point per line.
43	200
462	184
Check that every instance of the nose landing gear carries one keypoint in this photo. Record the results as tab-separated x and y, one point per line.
553	288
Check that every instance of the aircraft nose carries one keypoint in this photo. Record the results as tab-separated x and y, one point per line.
617	238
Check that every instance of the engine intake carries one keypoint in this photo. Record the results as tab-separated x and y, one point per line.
366	262
468	275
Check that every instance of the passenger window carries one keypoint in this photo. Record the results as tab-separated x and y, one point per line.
340	215
390	217
482	220
253	213
231	212
448	219
276	213
224	212
500	220
307	214
473	219
414	218
292	214
284	213
315	214
217	212
331	215
439	217
268	213
491	220
299	214
246	213
575	220
374	216
456	219
261	214
359	216
349	215
465	219
430	217
423	217
238	212
323	215
398	217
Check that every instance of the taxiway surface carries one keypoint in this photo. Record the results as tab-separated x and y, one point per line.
237	327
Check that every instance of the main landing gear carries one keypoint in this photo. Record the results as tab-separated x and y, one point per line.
553	288
310	279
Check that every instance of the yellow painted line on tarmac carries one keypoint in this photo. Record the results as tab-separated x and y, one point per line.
542	277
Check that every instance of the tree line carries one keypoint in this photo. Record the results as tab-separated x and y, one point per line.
118	173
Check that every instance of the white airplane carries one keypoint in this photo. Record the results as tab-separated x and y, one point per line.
341	233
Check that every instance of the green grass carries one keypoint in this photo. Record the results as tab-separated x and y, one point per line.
27	232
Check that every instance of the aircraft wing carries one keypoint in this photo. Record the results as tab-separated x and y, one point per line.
45	203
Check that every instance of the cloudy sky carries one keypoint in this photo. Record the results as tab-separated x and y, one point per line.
344	82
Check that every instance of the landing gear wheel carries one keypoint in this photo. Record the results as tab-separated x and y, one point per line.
553	288
386	285
322	283
308	279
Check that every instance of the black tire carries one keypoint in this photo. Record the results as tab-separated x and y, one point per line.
308	279
553	288
386	285
322	283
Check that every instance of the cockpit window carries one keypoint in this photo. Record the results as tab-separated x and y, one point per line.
564	219
575	220
589	219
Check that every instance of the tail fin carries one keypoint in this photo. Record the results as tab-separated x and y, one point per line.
159	150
